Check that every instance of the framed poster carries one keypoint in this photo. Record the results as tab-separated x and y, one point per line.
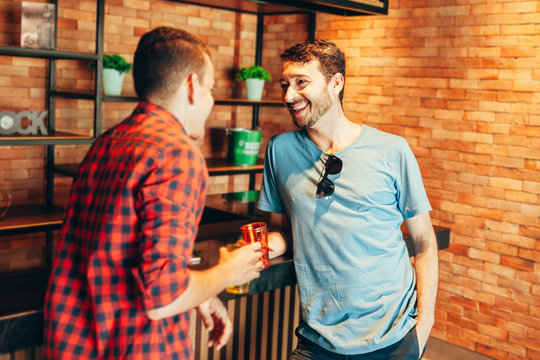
37	25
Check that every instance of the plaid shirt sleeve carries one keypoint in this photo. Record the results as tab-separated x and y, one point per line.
170	202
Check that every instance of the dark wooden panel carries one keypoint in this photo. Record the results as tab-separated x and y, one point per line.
338	7
54	138
221	166
31	218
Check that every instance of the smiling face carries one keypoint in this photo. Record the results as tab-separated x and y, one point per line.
305	92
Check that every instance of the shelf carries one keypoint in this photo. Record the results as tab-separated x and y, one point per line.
269	7
442	234
66	169
73	95
45	54
248	196
31	218
56	138
245	102
222	101
215	166
222	166
114	98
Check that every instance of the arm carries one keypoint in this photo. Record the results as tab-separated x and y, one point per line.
234	268
426	266
276	240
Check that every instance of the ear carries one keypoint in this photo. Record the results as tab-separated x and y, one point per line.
336	83
192	82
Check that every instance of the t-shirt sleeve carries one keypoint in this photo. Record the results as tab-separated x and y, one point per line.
270	199
411	195
171	203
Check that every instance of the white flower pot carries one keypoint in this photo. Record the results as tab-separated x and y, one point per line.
112	81
254	89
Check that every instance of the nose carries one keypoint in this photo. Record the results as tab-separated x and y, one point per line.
289	94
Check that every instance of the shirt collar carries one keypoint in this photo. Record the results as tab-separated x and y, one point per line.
160	112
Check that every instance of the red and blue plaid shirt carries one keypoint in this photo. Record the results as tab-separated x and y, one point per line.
126	243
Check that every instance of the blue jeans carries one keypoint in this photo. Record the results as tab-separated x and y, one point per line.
405	349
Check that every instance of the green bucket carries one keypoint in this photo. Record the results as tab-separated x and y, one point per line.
244	146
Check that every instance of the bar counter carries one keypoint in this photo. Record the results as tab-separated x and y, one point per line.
23	329
281	272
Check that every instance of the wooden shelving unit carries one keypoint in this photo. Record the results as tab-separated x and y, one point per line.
20	310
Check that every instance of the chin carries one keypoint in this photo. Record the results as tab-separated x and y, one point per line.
196	136
304	123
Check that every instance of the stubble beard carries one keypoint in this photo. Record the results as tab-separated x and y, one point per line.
318	109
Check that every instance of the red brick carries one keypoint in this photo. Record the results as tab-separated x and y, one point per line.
520	7
462	322
509	139
466	303
484	277
525	319
531	354
490	351
479	317
513	306
484	255
526	342
455	337
526	85
517	263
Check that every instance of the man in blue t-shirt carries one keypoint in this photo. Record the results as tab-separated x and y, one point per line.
346	189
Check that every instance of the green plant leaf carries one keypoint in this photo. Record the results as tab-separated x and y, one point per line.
253	72
116	62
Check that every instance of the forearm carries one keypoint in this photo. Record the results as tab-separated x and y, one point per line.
202	285
234	267
426	263
426	266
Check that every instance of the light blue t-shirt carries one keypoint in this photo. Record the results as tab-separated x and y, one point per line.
356	282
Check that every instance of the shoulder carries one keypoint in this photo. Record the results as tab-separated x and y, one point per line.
383	137
287	137
287	141
389	147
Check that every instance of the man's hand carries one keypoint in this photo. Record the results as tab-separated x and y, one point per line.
242	264
216	320
423	328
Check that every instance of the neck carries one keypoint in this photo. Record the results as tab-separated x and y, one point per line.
334	131
174	104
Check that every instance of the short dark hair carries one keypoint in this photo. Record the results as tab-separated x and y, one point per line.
163	59
331	58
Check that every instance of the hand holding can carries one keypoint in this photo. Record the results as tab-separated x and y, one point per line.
257	232
253	232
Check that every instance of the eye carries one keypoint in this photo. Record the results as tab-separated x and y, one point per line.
301	83
284	86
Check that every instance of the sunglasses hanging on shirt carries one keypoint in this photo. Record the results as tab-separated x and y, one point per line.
325	187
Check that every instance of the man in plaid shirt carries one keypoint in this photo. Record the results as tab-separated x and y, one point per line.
120	286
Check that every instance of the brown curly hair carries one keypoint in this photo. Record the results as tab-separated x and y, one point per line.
331	58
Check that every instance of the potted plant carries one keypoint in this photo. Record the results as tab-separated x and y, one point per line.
114	69
254	76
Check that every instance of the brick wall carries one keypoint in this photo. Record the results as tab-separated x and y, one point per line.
231	37
460	80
